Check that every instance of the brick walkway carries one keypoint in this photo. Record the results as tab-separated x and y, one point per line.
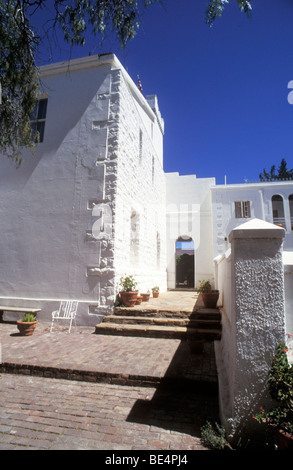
115	359
115	398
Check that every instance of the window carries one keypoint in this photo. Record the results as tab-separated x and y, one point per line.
278	211
242	209
38	118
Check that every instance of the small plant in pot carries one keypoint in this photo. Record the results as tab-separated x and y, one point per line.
209	296
155	291
128	294
27	325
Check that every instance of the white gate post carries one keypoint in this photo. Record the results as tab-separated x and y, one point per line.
257	321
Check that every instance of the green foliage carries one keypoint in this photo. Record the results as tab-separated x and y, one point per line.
216	8
214	437
127	283
18	77
281	390
19	45
124	16
155	289
283	173
204	286
29	317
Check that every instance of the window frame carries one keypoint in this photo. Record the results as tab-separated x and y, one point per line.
242	209
38	119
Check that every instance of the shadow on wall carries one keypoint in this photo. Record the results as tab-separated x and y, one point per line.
68	99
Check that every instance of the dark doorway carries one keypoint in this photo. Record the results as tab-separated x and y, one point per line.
184	263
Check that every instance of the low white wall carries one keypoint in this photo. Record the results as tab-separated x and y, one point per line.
225	349
288	281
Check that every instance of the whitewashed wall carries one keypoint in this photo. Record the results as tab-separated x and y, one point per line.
259	195
140	227
253	323
288	282
189	213
52	246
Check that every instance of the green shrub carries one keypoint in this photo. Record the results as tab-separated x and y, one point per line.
214	437
28	318
281	390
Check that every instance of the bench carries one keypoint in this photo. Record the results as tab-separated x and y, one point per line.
5	308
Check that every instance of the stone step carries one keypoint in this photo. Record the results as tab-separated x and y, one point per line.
164	321
156	331
207	313
147	320
150	312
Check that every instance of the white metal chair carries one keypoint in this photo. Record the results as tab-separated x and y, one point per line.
67	311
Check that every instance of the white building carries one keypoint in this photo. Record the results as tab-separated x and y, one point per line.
89	205
93	203
234	204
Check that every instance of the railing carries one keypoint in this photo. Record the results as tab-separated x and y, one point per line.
280	221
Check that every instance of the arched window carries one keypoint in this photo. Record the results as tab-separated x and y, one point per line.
278	211
291	210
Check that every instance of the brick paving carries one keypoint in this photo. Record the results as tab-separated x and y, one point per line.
120	393
115	359
51	414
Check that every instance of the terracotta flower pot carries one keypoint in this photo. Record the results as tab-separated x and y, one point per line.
145	297
26	328
210	299
155	294
138	300
128	298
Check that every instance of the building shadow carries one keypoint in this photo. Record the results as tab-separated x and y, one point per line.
187	396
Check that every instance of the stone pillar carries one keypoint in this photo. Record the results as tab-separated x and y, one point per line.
257	321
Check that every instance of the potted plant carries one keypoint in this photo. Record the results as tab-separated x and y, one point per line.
27	325
146	296
155	291
280	417
209	296
128	294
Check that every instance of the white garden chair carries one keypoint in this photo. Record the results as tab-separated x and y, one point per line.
67	311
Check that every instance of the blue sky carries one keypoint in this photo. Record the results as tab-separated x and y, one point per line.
222	91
